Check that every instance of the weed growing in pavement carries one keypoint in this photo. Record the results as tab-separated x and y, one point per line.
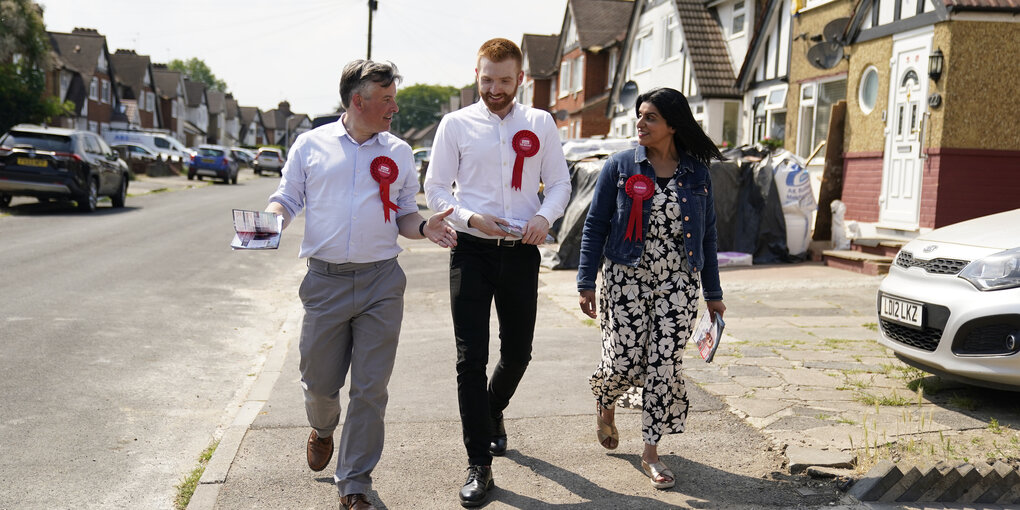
822	416
186	488
994	427
846	421
591	322
838	343
963	402
893	400
873	326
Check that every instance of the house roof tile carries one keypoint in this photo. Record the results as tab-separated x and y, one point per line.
600	22
983	5
78	51
131	69
216	101
540	50
166	81
195	91
707	50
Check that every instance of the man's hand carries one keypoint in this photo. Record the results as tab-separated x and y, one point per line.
587	301
488	224
536	230
437	231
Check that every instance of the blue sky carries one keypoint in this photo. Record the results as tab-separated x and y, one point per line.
267	50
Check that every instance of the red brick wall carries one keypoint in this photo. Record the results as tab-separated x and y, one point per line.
540	97
862	185
960	184
166	108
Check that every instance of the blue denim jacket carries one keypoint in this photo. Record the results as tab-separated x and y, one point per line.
606	224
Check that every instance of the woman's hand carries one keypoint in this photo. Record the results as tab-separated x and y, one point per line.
587	301
715	307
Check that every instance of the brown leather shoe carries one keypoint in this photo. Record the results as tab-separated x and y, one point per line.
355	502
320	451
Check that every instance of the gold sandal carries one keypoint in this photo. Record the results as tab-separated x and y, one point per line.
659	471
606	431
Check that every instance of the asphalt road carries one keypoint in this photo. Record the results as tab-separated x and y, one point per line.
127	337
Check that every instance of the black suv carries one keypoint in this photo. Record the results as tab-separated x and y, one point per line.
60	164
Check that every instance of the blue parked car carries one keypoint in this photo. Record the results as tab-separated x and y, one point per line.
213	161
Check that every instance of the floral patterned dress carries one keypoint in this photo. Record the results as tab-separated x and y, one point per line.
646	313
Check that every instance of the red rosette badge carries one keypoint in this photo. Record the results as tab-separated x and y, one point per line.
525	144
384	171
639	188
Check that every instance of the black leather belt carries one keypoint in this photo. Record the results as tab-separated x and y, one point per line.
500	242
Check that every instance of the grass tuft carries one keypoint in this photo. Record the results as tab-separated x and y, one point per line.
186	489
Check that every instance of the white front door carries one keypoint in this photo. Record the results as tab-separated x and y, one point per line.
900	200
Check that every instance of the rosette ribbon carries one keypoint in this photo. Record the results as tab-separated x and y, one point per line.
525	144
639	188
384	171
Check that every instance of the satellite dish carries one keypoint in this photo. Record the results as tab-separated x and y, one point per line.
629	94
561	115
833	30
825	55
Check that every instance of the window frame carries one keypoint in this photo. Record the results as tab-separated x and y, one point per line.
871	70
740	12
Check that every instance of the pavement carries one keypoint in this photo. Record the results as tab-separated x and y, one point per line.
799	363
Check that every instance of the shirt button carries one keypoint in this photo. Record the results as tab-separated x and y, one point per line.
688	236
695	270
680	184
687	218
684	200
690	254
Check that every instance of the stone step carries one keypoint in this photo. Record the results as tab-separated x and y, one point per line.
857	261
877	246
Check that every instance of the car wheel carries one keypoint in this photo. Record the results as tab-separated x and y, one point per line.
88	202
121	196
233	178
191	176
258	171
5	200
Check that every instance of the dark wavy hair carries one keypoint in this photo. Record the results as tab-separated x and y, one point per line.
358	73
689	137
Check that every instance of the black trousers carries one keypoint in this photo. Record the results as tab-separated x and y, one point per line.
479	273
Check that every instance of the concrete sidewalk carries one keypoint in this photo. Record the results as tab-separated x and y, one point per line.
798	352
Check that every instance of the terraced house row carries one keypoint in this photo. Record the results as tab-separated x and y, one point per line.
908	107
125	90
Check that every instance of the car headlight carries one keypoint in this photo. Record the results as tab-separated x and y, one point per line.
995	272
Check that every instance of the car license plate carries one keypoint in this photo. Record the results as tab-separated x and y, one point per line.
40	163
901	310
208	160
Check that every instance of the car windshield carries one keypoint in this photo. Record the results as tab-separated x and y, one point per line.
38	141
209	151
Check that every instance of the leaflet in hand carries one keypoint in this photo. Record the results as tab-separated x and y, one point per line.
515	229
707	335
256	230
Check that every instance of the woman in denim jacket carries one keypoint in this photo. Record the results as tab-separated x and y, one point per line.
652	220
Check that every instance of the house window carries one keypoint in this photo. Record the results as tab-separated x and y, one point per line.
93	126
151	100
173	109
565	78
775	108
738	18
612	68
106	91
552	91
671	42
816	100
65	82
94	89
577	75
642	55
564	133
867	94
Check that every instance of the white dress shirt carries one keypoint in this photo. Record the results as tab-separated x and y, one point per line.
473	160
329	175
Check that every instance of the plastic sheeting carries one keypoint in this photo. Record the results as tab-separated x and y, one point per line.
749	209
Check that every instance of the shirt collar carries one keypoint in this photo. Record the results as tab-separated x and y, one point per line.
341	132
514	106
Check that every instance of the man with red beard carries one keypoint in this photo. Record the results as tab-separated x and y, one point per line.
488	160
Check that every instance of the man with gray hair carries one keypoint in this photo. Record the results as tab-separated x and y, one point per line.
356	183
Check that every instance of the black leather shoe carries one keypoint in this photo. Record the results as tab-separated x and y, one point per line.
476	489
498	445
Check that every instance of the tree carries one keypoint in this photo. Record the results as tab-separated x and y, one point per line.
198	71
24	59
420	105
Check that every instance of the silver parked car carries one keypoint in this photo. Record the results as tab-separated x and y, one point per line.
951	302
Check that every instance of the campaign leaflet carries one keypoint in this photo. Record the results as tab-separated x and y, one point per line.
256	230
515	229
707	335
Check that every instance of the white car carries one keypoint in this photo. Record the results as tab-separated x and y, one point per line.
951	302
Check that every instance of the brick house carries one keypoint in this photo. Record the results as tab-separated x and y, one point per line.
251	133
540	66
587	52
216	131
137	87
173	99
196	123
84	75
